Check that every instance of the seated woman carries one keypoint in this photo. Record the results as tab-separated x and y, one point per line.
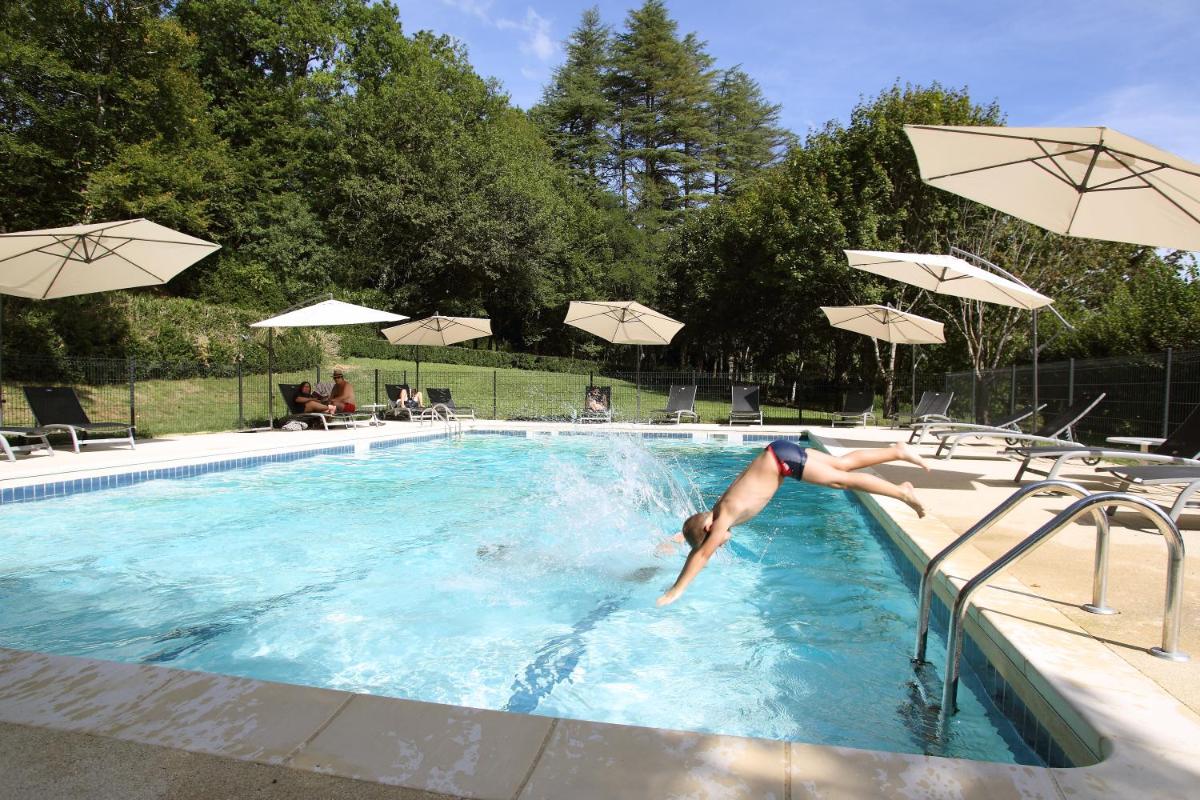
311	402
415	401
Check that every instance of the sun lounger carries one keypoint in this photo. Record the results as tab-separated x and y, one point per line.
1011	422
33	438
744	404
326	421
396	408
858	406
57	410
1188	477
681	402
932	407
597	405
1056	431
1180	448
443	397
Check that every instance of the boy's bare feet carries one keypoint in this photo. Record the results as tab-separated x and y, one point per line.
906	453
910	497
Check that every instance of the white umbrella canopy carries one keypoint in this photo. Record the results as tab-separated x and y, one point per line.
886	323
622	322
946	274
438	330
1093	182
82	259
328	312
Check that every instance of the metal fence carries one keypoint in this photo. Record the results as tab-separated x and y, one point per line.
1145	395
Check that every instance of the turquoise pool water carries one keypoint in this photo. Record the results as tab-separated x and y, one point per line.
503	573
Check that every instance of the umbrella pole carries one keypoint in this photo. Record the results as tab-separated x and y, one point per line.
417	380
1035	369
914	387
1	359
270	377
638	381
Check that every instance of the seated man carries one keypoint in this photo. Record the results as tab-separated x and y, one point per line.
595	401
342	397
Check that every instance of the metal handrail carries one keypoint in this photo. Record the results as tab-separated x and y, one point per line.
442	412
1173	606
1099	603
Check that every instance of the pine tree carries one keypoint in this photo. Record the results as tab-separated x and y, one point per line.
658	86
746	130
575	114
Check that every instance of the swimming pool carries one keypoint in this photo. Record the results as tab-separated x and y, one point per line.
497	572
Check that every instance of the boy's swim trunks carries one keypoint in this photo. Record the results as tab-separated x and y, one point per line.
790	457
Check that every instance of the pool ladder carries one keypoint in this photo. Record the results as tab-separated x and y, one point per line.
1094	504
440	412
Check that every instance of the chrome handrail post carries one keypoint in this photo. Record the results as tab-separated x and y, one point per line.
925	591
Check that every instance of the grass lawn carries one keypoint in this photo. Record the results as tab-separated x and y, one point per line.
212	404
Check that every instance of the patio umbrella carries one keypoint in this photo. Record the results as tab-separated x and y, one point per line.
1095	183
886	323
438	331
889	324
100	257
309	314
951	275
624	322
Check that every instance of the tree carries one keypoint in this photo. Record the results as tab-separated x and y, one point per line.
574	113
747	137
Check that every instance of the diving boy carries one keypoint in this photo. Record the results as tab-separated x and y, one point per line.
753	489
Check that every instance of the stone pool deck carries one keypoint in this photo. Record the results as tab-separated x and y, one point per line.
80	728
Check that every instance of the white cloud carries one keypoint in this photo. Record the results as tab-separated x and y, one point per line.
1150	112
538	42
476	8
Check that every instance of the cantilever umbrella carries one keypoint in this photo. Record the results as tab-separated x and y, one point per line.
99	257
889	324
624	322
1095	182
438	331
313	315
948	274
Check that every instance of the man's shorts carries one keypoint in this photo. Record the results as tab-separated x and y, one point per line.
789	456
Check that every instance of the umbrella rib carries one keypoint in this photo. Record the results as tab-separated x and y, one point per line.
1150	185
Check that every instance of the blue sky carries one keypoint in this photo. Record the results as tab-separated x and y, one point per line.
1129	65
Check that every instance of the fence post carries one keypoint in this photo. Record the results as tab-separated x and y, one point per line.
376	400
1012	392
1070	381
132	393
318	373
494	414
974	394
1167	395
241	396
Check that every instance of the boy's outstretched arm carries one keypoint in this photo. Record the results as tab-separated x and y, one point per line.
696	561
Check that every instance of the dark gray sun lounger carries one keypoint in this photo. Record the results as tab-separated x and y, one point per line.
932	407
744	405
1011	422
603	394
443	397
33	438
1158	475
681	402
858	406
1056	431
1180	448
57	410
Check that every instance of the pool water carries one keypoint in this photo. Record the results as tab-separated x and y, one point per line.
503	573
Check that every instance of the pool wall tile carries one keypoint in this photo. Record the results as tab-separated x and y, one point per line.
798	438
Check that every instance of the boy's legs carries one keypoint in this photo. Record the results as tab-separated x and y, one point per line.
857	459
825	470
